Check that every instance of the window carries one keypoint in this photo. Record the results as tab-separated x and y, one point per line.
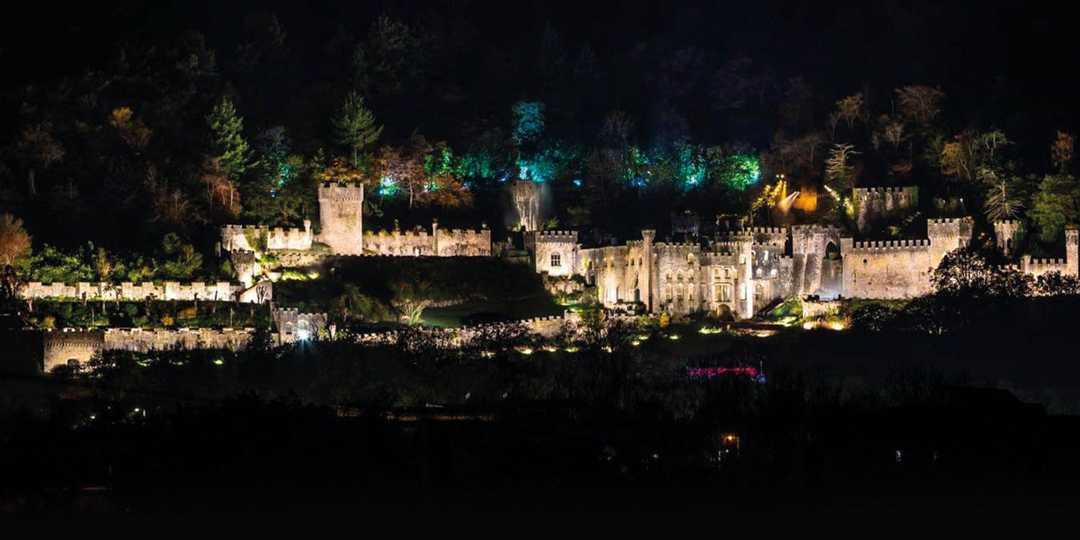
556	259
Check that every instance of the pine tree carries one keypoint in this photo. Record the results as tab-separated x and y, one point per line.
229	146
355	126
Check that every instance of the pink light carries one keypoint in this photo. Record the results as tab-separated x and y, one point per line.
709	372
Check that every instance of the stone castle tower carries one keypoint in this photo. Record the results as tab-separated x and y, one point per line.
1072	247
946	235
341	217
647	283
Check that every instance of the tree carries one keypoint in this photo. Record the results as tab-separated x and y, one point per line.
185	262
393	57
411	296
1055	205
919	104
38	148
15	242
1057	284
968	274
1003	197
1061	151
355	127
130	129
229	147
970	155
525	194
220	188
851	109
839	174
528	122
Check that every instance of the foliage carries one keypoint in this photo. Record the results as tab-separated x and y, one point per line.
968	274
1061	151
14	240
229	146
1057	284
1055	205
528	122
355	127
147	314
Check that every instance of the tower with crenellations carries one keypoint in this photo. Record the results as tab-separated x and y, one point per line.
341	217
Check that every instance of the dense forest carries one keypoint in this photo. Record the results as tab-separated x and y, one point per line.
149	126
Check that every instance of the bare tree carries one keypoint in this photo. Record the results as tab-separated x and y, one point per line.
526	197
920	104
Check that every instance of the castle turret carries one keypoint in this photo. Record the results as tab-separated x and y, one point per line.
947	235
1072	246
341	217
646	269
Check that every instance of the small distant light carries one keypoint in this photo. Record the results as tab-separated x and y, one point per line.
219	362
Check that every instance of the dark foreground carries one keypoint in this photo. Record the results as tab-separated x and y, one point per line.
975	451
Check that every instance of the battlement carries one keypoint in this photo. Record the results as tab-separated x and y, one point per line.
557	236
341	191
677	245
871	191
880	245
167	290
1047	262
1005	223
767	230
948	221
816	228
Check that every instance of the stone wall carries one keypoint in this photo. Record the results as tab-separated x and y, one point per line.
169	290
1037	267
886	269
260	238
75	345
876	205
293	326
421	243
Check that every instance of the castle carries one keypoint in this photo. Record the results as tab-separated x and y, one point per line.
740	272
341	231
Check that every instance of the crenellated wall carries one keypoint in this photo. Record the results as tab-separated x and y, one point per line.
259	238
169	290
77	345
421	243
887	268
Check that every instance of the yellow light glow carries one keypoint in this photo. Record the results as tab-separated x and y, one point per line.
525	350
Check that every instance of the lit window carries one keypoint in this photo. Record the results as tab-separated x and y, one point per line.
556	259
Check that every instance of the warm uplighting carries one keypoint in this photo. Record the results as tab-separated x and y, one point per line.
525	350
